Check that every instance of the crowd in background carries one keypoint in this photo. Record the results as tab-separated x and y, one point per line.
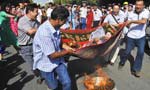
18	21
81	16
84	16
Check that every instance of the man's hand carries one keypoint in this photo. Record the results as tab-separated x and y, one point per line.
68	48
128	23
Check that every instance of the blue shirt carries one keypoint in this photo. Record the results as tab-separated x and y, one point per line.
46	41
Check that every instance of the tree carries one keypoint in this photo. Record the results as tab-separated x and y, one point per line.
31	1
62	1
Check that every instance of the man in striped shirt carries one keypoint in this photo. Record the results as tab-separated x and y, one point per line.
48	53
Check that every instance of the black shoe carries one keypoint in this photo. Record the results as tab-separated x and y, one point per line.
121	65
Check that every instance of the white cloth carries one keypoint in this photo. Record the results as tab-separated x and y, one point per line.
65	26
137	31
39	16
123	14
97	14
83	12
97	33
48	12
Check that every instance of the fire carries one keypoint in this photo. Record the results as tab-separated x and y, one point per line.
99	82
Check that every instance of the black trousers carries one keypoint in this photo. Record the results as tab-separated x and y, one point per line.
95	23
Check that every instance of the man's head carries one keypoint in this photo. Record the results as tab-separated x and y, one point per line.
13	10
95	7
116	9
7	8
32	11
84	4
139	5
50	4
59	16
88	9
21	5
125	5
130	7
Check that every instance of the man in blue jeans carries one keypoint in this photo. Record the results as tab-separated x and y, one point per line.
83	14
48	52
136	37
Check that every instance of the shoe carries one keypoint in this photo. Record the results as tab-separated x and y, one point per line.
40	80
111	63
132	72
121	65
136	74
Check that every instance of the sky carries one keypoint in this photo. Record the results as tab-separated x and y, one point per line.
42	2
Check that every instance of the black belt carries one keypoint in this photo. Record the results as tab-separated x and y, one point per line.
26	45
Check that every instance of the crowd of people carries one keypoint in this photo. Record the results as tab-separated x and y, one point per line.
38	37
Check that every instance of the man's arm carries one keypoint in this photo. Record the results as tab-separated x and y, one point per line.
143	21
115	25
31	31
56	55
67	50
25	26
8	15
48	48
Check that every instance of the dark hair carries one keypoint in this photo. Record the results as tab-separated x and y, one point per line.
140	0
3	6
60	12
50	3
131	5
115	4
31	7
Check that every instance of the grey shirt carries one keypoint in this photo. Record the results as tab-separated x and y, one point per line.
24	25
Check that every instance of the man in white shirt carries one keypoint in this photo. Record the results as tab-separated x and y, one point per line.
136	37
115	18
97	16
49	10
39	16
83	14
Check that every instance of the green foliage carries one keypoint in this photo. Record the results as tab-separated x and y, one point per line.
62	1
31	1
77	1
92	1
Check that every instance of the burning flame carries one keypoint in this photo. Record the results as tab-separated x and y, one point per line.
99	82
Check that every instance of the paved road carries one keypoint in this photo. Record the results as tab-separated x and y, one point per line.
14	74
